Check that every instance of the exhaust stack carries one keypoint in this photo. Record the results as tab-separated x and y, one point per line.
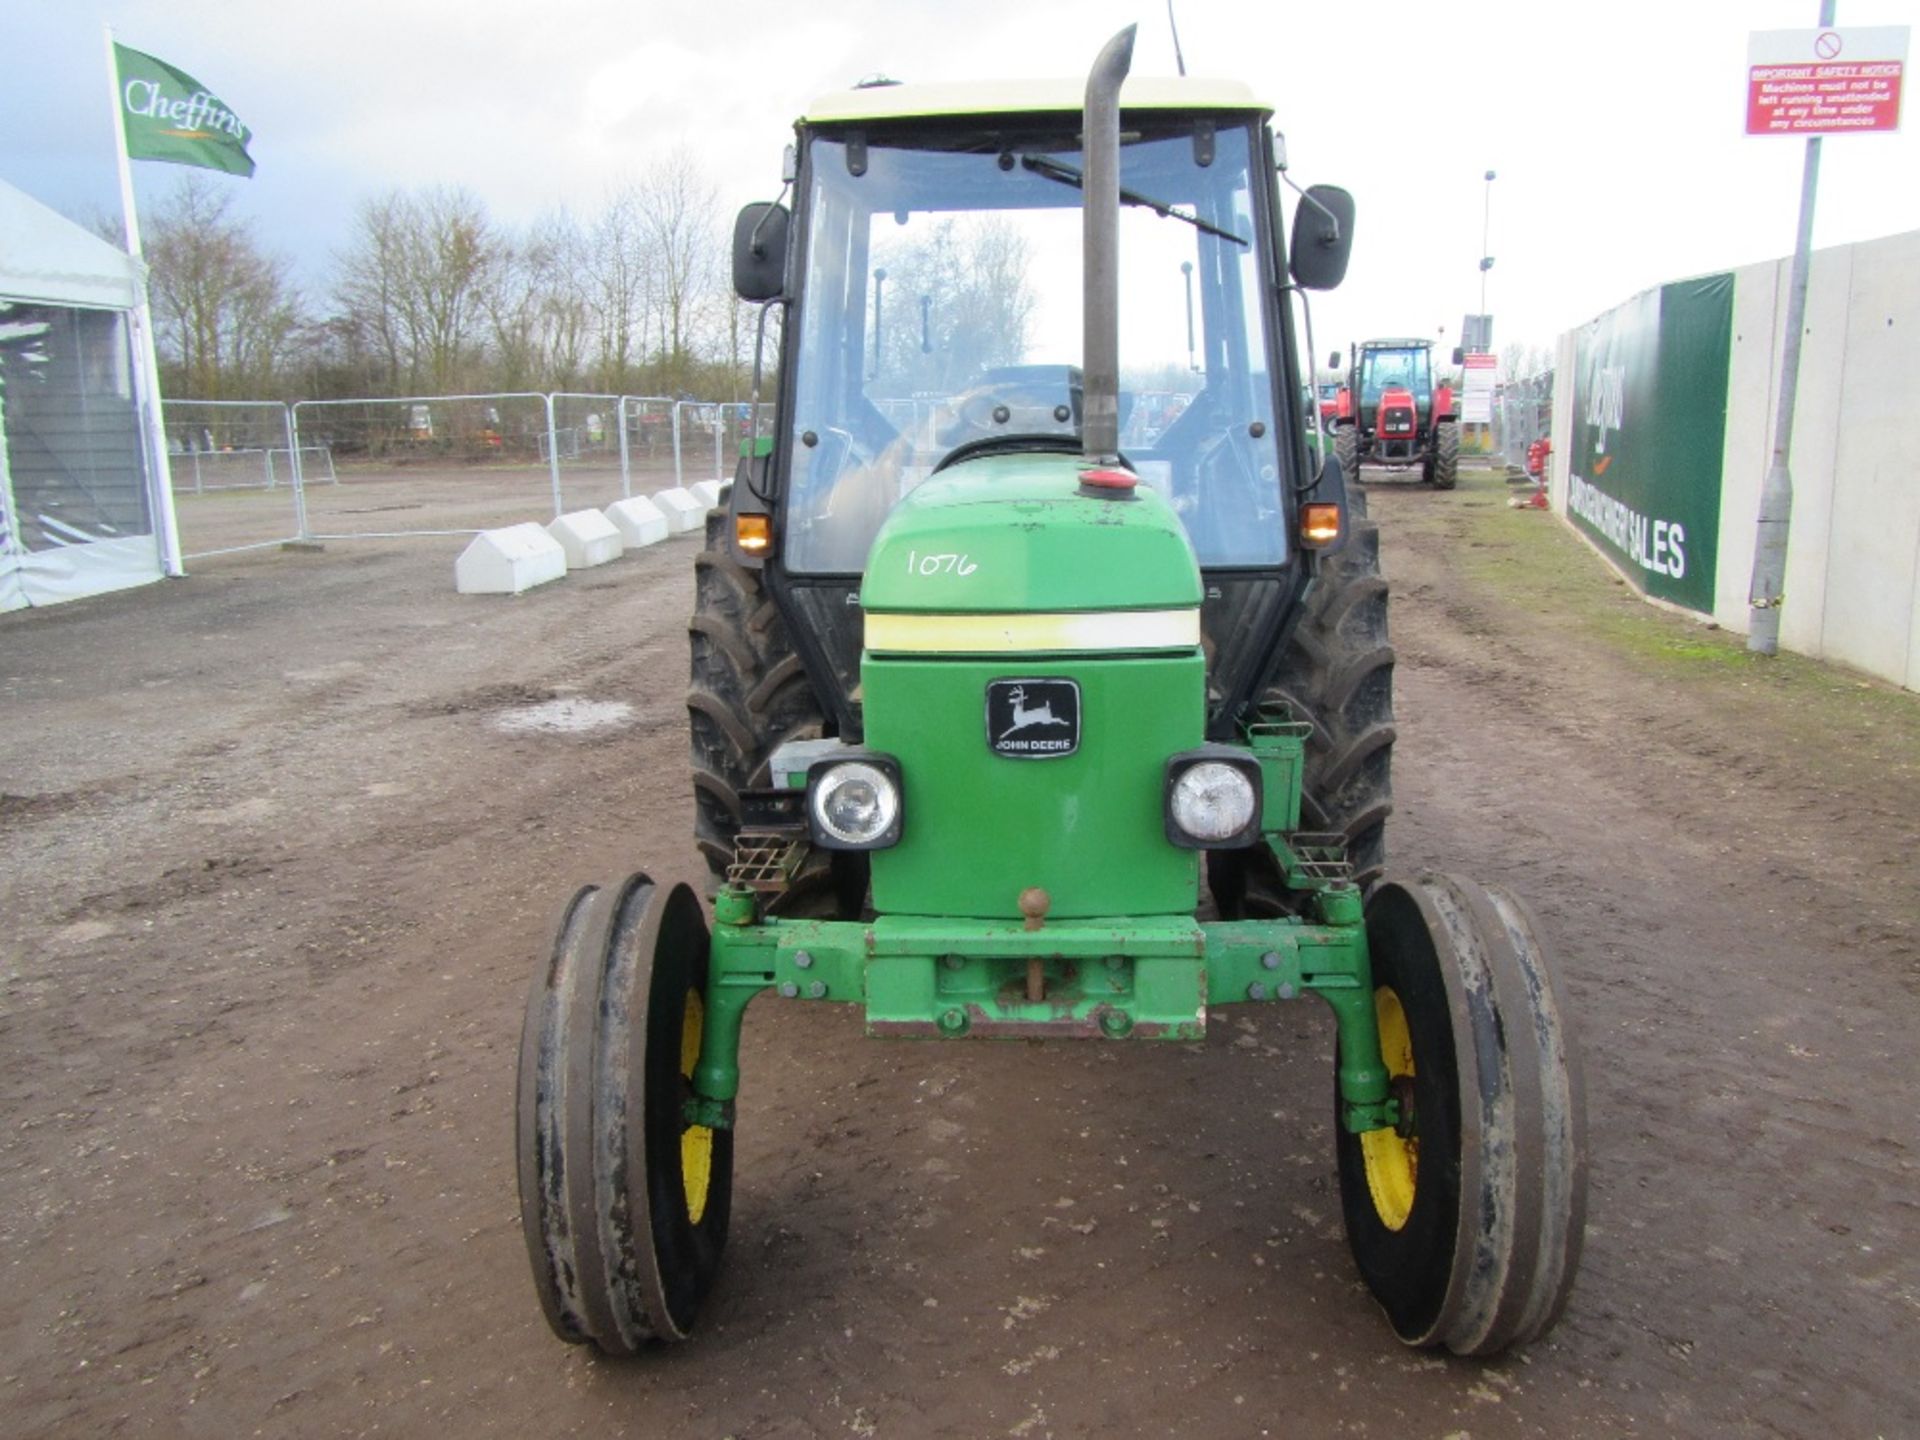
1100	213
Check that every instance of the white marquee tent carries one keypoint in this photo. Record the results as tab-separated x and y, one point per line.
84	502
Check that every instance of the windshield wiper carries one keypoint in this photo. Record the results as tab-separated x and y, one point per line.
1067	175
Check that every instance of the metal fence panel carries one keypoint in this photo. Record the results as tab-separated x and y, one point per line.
250	473
1522	414
235	483
431	464
700	430
646	425
586	445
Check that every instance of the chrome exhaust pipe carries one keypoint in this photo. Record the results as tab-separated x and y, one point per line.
1100	219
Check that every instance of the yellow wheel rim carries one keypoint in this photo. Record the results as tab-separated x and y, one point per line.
1392	1162
696	1141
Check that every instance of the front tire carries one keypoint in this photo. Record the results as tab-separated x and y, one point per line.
1445	464
1346	449
624	1205
1466	1220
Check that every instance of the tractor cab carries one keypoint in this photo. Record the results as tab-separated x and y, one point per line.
935	315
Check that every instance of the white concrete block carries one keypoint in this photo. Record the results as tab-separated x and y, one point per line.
588	537
683	511
509	560
639	521
707	492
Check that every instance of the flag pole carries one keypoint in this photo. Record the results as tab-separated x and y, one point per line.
146	357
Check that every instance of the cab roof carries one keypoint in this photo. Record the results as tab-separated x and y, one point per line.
1023	97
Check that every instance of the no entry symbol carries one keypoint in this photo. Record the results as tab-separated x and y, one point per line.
1826	45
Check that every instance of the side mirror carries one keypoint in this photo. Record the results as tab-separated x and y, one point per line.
1333	361
1459	356
760	251
1322	237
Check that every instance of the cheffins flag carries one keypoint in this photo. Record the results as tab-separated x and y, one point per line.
168	115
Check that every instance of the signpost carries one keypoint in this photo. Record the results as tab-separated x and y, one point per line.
1826	81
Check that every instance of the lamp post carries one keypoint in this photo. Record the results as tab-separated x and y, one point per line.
1486	260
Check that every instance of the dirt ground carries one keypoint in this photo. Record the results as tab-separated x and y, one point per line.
274	871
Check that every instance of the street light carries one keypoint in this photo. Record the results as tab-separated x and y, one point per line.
1486	260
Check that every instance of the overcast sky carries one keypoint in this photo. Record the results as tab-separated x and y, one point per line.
1615	128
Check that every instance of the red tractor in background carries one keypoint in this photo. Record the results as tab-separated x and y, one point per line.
1392	414
1329	395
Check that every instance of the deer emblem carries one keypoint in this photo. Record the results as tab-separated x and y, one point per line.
1026	719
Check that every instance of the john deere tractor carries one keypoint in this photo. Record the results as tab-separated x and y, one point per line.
1394	415
1018	715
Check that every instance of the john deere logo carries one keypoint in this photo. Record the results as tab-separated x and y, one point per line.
1033	719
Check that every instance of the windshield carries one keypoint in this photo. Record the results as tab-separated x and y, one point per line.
941	305
1395	369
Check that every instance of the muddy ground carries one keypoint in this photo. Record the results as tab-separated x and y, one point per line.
274	873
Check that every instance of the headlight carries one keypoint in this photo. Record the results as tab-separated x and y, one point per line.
1213	799
854	804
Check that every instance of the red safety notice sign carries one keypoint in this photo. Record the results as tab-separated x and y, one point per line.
1825	82
1476	395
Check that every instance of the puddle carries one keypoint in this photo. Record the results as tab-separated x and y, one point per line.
564	717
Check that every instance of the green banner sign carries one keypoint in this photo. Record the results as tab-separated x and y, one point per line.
1649	431
169	115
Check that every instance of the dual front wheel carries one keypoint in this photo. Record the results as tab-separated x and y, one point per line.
1465	1219
623	1202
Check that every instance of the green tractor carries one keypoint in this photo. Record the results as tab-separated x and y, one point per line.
1394	414
1027	707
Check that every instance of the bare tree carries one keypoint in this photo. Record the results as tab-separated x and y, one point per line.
371	291
1523	362
415	279
620	265
453	251
225	310
538	316
956	302
430	295
680	217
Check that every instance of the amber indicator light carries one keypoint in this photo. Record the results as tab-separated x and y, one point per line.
753	533
1319	525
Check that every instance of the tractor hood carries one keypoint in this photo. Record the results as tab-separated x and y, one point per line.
1011	533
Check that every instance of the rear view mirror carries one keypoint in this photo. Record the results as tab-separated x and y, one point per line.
1322	237
1459	356
1333	361
760	252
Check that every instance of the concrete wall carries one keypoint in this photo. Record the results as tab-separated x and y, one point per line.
1853	557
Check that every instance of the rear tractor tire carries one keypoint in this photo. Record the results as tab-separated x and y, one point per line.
1444	471
623	1203
747	695
1466	1219
1337	675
